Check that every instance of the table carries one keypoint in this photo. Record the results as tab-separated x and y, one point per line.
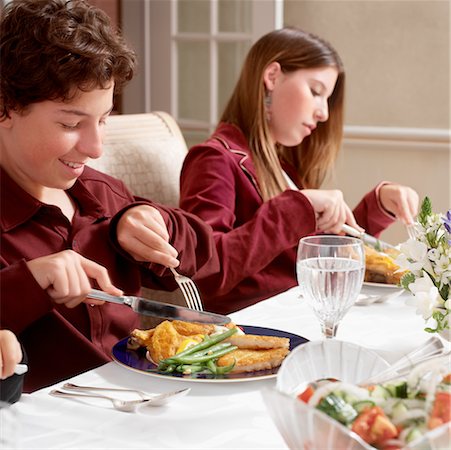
213	415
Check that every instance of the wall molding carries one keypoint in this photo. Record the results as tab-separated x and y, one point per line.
430	139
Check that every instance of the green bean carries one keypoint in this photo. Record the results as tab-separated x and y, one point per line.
211	366
168	368
206	351
225	369
207	342
187	369
191	359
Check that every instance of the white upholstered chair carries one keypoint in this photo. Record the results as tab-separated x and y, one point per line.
146	151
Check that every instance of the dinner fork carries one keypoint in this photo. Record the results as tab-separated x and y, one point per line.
76	387
189	291
412	232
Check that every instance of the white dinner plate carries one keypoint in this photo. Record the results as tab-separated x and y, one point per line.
136	360
384	291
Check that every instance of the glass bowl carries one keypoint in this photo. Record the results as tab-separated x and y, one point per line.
327	359
306	428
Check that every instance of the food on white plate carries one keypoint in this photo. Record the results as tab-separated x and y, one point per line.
191	348
248	360
380	267
390	415
168	337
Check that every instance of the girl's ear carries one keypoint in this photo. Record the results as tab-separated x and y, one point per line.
270	75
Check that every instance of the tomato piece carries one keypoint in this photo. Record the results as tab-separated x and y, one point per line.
306	394
374	427
447	379
441	410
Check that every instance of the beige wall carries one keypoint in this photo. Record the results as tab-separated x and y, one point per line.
396	55
397	59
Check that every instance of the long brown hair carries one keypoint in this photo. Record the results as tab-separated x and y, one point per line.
293	49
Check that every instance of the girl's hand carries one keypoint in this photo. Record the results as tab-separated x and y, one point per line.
66	277
331	210
401	201
142	233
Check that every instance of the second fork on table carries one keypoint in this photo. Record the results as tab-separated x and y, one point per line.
78	388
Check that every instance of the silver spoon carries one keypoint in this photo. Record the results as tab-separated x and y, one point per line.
126	405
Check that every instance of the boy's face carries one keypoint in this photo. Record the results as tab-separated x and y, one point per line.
49	145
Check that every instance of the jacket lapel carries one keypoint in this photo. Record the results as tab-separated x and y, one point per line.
245	161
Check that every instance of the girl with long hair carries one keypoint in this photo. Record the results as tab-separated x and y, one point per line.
257	180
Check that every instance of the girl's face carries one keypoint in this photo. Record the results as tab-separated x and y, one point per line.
299	100
48	145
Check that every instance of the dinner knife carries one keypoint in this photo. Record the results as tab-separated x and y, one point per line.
367	238
159	309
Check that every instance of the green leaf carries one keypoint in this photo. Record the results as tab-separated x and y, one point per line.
425	211
441	320
445	292
406	279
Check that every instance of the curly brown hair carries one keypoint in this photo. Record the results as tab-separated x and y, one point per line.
51	48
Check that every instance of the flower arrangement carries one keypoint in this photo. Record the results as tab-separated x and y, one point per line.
427	258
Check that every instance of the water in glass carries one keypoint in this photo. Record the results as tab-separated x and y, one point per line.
330	272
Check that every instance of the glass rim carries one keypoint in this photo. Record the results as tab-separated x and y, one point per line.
347	240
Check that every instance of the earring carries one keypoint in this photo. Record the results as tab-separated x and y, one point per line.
268	98
268	103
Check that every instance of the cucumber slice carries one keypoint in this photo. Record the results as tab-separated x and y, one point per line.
399	410
362	405
337	408
380	392
413	434
398	390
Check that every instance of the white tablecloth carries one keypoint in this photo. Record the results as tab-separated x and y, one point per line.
213	415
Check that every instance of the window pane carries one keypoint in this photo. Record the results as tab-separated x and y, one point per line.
194	80
230	59
234	15
195	137
193	16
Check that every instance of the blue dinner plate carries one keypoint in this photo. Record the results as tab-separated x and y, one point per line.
136	359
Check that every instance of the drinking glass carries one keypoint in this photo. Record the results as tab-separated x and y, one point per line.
330	271
9	427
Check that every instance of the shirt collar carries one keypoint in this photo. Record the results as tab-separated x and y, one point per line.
18	206
234	138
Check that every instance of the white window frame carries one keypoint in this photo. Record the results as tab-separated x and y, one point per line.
151	27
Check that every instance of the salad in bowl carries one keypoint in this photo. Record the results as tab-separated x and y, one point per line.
390	415
330	411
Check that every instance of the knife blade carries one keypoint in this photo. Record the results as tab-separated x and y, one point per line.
148	307
367	238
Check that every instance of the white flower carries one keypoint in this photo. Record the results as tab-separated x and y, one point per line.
426	296
427	258
413	256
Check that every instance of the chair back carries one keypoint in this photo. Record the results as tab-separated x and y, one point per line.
145	151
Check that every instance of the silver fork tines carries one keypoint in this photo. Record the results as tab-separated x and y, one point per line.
76	387
189	291
412	231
